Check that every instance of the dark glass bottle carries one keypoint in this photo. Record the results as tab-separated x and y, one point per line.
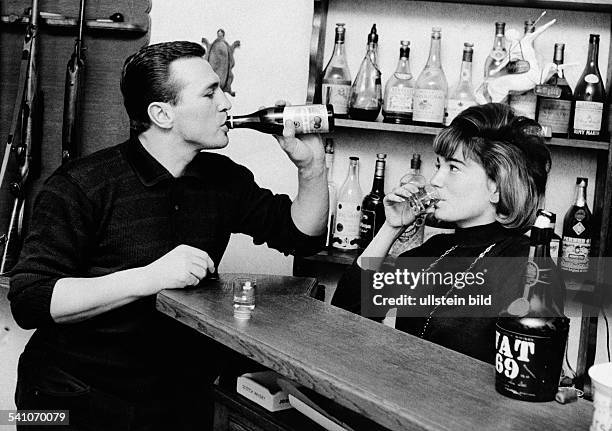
365	99
589	98
372	208
555	99
306	118
530	335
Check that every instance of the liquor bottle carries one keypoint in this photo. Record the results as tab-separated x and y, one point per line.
372	208
462	96
498	52
348	209
306	118
523	103
366	92
337	77
555	241
576	238
589	98
555	99
397	103
431	87
331	187
413	235
531	333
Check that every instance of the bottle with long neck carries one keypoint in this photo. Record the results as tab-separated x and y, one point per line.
462	96
589	98
498	53
523	103
366	92
576	239
331	187
372	208
306	119
431	87
348	209
555	99
337	77
531	332
397	103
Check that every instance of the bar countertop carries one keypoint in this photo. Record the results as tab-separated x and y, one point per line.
393	378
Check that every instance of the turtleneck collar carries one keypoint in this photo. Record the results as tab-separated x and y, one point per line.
482	235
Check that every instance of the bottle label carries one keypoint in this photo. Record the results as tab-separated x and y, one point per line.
524	104
555	113
428	106
455	107
587	117
308	118
591	78
367	226
346	231
399	99
575	254
337	95
546	90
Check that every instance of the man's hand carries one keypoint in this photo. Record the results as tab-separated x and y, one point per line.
306	151
184	266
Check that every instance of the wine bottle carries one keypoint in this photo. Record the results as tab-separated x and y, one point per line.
331	187
366	92
462	96
348	209
531	333
413	235
337	77
372	208
554	103
306	118
576	239
589	98
397	103
523	103
431	87
498	53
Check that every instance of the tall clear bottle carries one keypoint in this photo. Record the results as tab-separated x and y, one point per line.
555	99
413	235
499	52
331	186
524	103
431	87
462	95
336	86
589	98
365	99
397	103
372	208
348	209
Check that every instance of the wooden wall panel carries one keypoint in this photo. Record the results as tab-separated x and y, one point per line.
104	120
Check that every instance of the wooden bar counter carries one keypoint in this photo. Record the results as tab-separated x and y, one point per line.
398	380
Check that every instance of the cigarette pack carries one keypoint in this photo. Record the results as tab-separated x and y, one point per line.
261	388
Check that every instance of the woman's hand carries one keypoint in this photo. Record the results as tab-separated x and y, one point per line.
397	209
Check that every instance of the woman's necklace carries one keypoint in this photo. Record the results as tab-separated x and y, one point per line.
435	262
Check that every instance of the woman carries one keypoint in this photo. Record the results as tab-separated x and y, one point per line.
491	172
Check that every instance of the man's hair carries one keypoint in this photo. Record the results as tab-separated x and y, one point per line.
511	152
145	78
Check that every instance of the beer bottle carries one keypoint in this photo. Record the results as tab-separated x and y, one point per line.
306	118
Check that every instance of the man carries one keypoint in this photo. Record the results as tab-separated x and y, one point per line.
113	229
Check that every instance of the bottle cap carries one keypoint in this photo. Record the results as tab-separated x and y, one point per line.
415	162
582	181
354	158
381	156
329	146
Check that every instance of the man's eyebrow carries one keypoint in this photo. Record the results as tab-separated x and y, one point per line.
211	86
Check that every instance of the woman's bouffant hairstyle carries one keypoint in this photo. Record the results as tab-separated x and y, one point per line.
511	152
145	78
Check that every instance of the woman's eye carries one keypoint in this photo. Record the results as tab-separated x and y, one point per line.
453	168
436	166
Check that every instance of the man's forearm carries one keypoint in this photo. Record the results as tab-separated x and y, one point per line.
77	299
310	208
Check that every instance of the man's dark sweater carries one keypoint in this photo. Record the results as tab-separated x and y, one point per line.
119	209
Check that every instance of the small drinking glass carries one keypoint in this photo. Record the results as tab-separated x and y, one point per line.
418	203
244	297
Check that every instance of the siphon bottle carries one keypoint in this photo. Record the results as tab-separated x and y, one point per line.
336	84
372	208
531	333
306	118
366	92
348	209
462	95
431	87
397	102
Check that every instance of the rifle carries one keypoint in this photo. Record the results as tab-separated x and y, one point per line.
72	95
23	141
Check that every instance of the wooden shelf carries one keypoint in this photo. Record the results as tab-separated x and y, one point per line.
66	22
334	256
577	5
420	130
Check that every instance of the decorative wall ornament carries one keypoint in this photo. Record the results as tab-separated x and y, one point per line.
220	55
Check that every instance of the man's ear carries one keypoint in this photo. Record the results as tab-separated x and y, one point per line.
161	114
